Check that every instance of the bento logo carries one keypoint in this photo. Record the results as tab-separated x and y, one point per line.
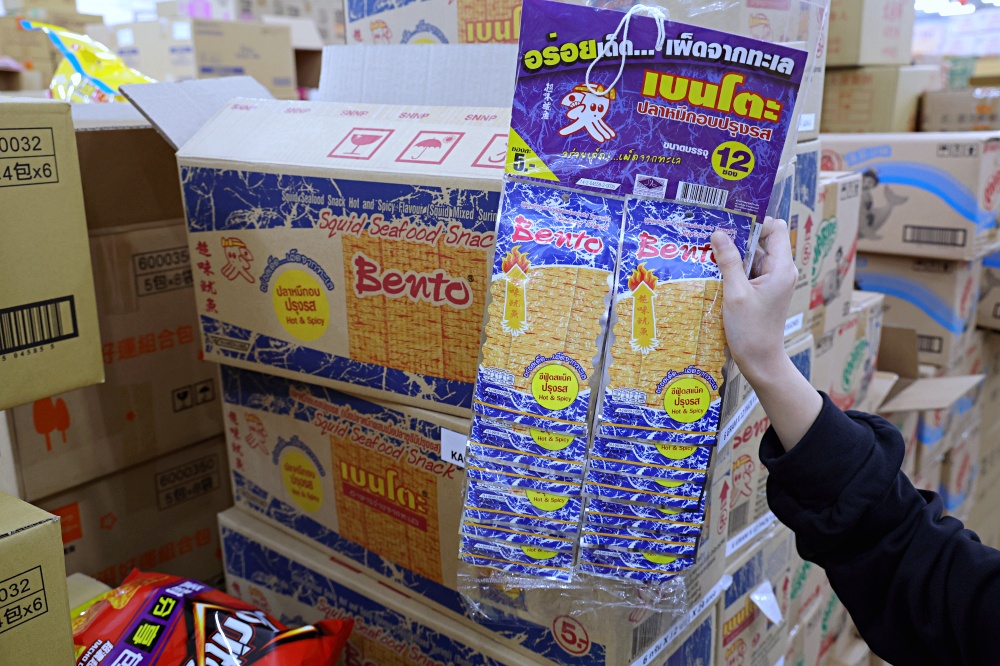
436	288
650	246
384	493
723	96
579	240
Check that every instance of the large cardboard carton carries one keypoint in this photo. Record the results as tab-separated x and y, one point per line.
433	22
31	48
49	337
923	194
960	472
969	110
876	99
803	223
159	396
934	297
846	356
357	260
870	32
34	609
831	272
752	631
158	516
161	49
988	310
749	513
236	48
309	460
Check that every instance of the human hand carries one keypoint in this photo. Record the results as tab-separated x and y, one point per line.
754	310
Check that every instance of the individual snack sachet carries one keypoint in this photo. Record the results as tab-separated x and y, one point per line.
552	272
161	620
664	369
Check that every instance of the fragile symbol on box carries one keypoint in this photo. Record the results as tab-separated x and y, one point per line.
430	147
182	398
494	155
361	143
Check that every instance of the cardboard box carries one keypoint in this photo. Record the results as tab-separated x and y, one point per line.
434	22
804	638
870	32
969	110
382	188
161	49
30	48
934	297
34	611
988	310
158	516
846	356
158	396
803	222
49	337
751	632
749	513
876	99
923	194
960	472
831	273
286	472
233	49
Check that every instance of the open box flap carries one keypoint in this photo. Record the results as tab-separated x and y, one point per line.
931	394
426	74
882	385
179	110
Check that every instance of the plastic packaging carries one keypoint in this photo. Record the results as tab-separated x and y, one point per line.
89	71
171	621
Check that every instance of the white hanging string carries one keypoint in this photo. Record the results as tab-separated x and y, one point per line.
657	14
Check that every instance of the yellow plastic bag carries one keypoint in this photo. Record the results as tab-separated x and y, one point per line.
89	71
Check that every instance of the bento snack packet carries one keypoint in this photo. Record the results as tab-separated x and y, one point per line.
663	376
89	71
552	272
171	621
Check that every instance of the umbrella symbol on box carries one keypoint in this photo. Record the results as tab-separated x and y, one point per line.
430	147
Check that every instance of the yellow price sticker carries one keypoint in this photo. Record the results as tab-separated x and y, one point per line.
733	160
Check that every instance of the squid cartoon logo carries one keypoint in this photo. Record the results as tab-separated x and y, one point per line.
587	107
381	34
238	260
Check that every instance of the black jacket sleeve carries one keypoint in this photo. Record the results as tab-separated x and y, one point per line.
920	588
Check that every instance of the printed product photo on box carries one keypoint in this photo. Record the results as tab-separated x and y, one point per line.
156	516
969	110
934	297
876	99
804	222
36	627
924	194
320	263
49	337
834	251
870	32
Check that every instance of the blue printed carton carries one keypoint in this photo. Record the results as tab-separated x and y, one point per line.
346	245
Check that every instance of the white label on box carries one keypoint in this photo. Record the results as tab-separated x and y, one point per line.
794	324
738	418
453	447
126	37
807	122
182	31
749	533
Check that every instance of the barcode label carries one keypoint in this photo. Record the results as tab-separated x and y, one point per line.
701	194
36	324
644	635
931	344
934	236
738	519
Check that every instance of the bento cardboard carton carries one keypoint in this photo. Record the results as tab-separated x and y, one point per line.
870	32
924	194
433	22
49	337
831	271
966	110
934	297
355	257
988	310
876	99
803	222
846	356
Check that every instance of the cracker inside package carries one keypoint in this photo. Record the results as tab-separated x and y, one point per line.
664	370
550	291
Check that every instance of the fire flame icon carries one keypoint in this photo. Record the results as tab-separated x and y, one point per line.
642	285
515	266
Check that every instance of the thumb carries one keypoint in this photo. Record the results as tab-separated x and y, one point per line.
730	263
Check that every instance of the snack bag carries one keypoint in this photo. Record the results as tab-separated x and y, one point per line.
89	71
552	272
664	370
172	621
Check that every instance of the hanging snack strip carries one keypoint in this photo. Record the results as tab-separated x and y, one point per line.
667	132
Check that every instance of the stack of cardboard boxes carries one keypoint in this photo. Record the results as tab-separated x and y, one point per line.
135	467
870	84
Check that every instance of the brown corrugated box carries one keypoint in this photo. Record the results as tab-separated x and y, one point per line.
870	32
243	48
831	272
34	606
968	110
49	337
876	99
